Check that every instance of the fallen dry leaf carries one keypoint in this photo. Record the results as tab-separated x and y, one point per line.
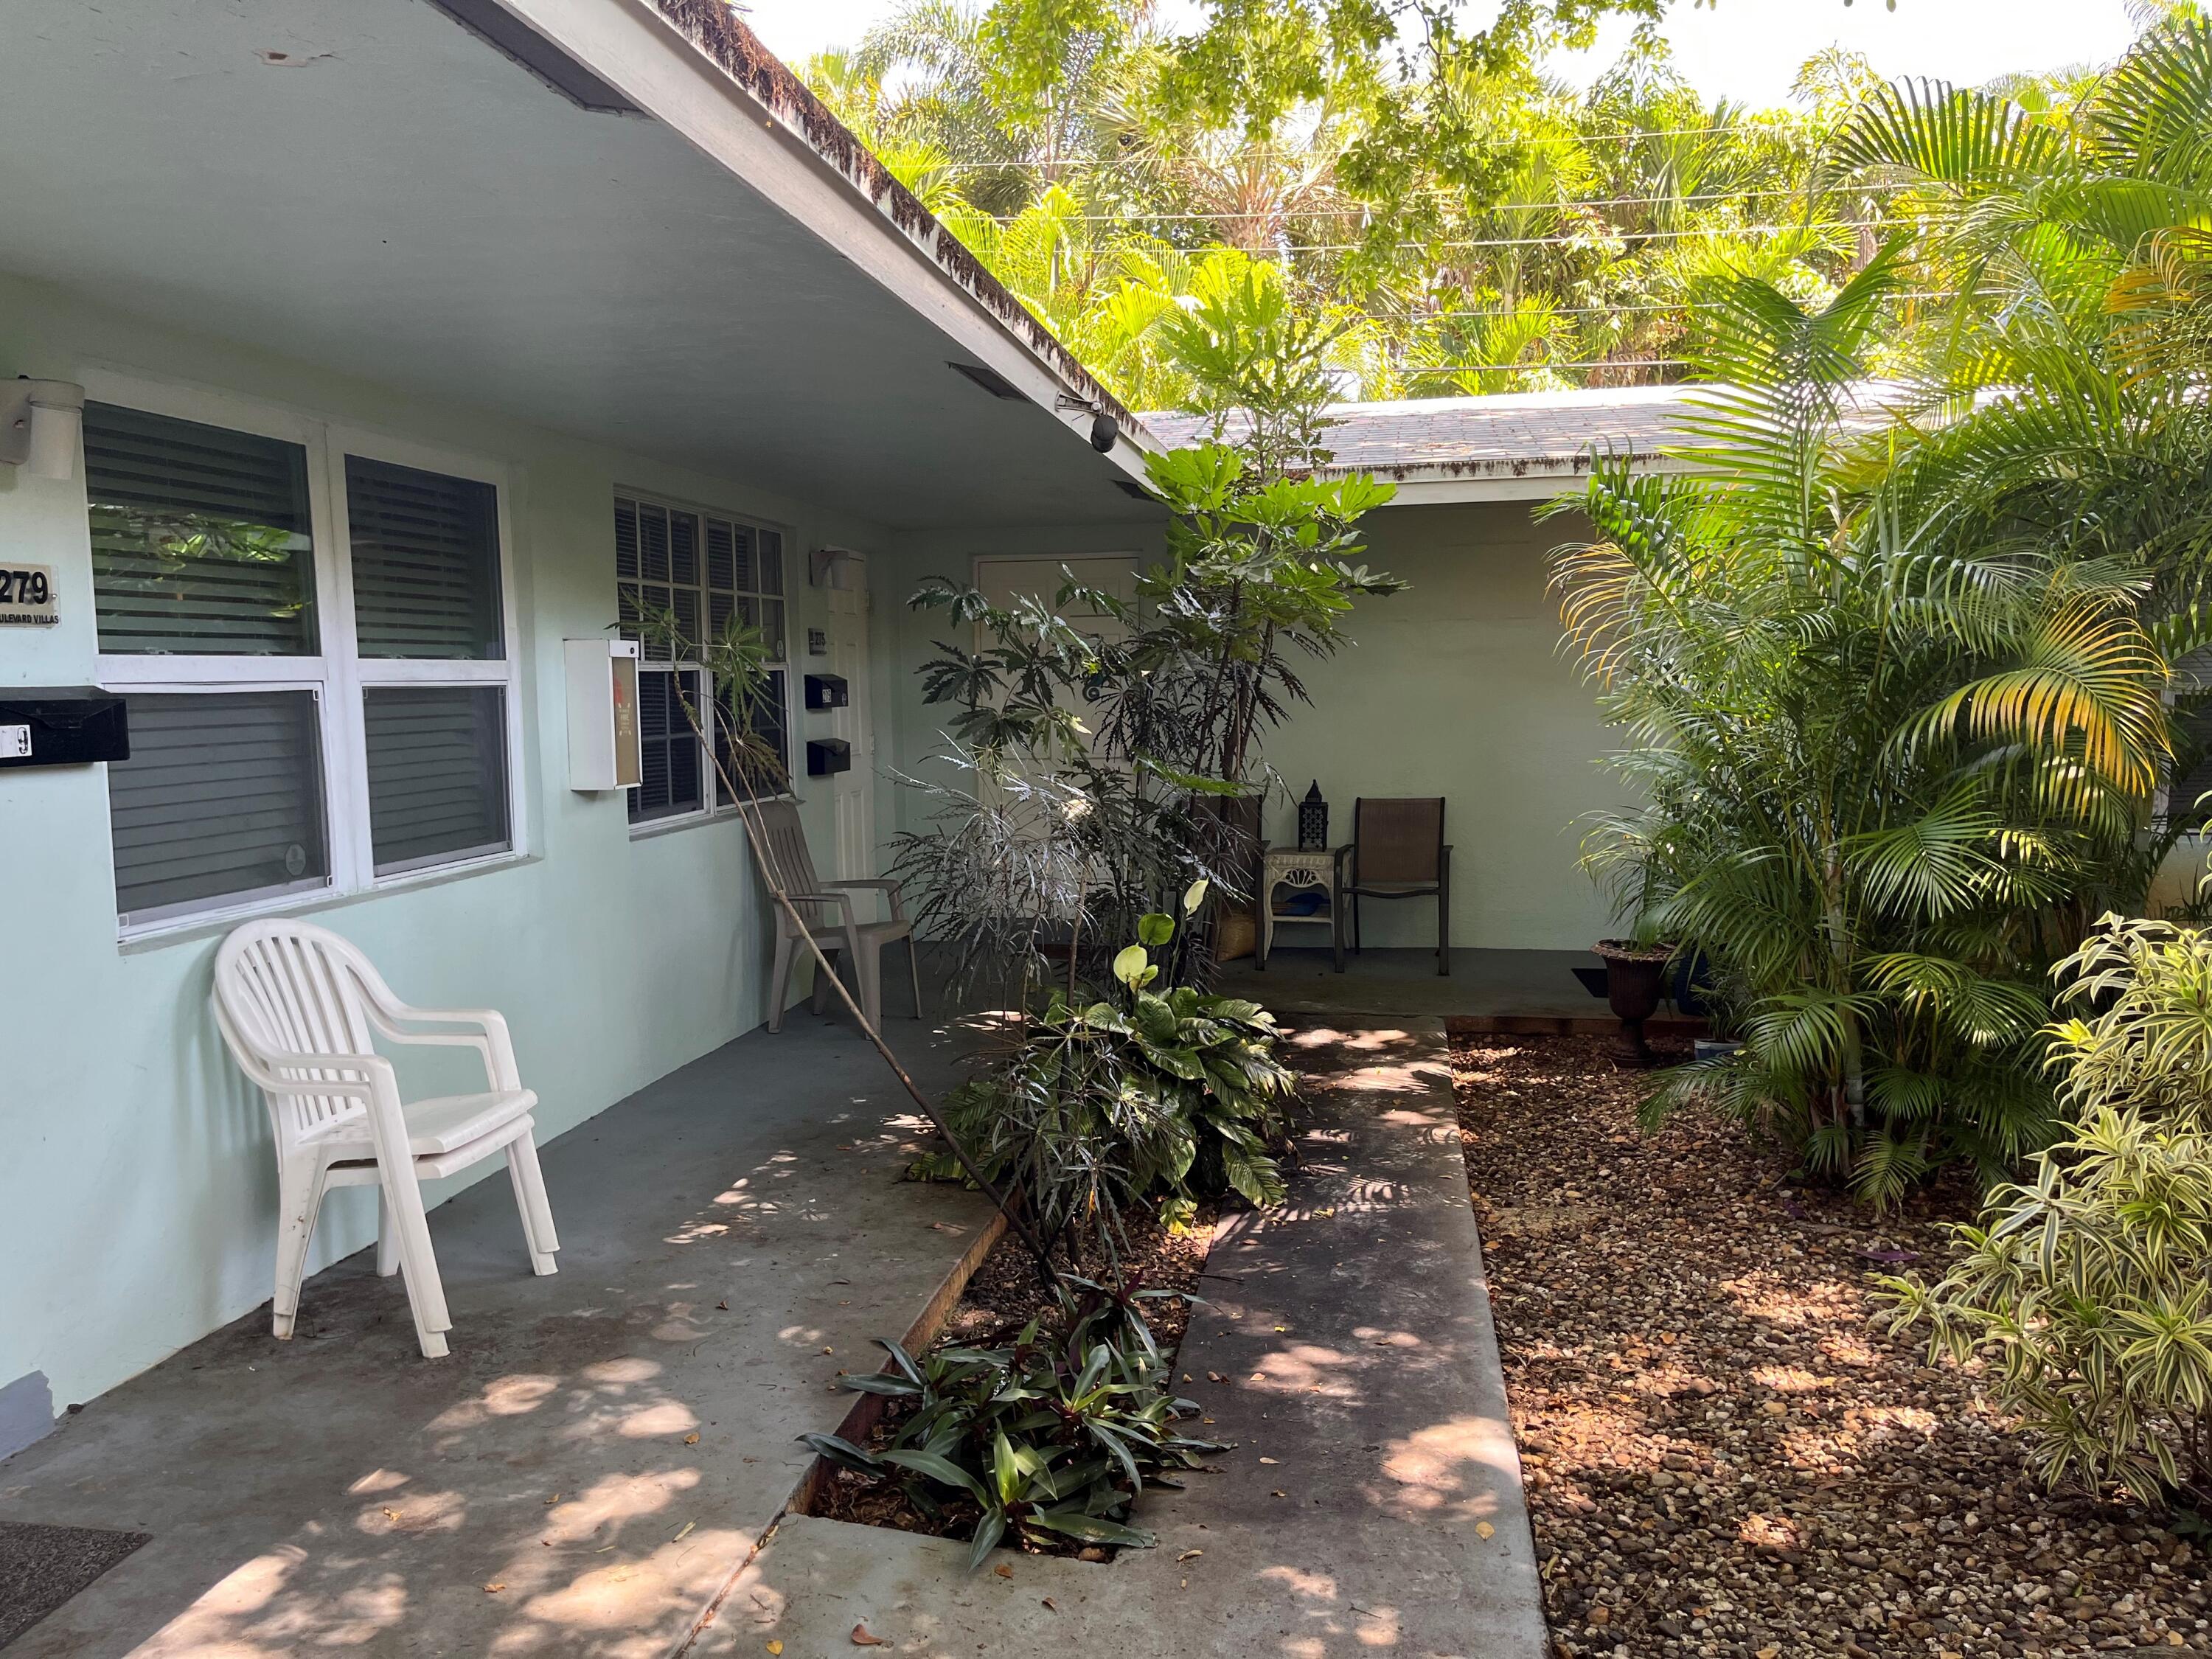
681	1536
554	1500
1190	1555
1050	1605
860	1637
1277	1494
775	1647
1215	1376
1270	1459
494	1589
1003	1571
1484	1530
692	1438
723	1306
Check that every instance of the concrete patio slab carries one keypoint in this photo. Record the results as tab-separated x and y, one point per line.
1301	980
602	1450
1373	1503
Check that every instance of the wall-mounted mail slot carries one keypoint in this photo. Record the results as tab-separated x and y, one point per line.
827	691
826	756
62	726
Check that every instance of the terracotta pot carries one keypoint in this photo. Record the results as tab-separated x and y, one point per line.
1635	979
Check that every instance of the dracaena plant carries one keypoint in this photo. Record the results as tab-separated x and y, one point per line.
1104	749
2089	1285
1150	1094
1051	1439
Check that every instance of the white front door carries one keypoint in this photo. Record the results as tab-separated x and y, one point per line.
853	793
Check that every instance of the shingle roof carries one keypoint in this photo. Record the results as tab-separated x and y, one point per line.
1510	435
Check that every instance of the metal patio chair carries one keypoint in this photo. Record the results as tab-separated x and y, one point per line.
858	944
1399	851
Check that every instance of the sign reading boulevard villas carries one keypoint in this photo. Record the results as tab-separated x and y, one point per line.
27	596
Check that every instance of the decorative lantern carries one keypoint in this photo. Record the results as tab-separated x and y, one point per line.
1313	821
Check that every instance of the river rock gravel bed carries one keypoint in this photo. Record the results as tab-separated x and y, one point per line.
1725	1455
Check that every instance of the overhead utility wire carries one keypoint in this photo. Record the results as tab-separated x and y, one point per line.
1627	136
1588	311
1704	198
1569	241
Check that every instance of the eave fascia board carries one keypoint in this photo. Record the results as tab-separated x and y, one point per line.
1498	481
637	47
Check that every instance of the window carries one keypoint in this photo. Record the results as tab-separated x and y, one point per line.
222	798
312	641
700	572
201	540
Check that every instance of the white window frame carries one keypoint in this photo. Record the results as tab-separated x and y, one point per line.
339	676
713	809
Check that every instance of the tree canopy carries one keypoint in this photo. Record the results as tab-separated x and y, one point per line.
1457	219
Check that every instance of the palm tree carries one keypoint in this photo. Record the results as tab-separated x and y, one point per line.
1874	752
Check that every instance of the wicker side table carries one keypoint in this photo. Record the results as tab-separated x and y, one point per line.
1302	869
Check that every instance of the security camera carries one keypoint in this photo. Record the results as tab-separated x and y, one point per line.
1105	430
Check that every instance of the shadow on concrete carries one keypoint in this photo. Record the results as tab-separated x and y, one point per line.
602	1449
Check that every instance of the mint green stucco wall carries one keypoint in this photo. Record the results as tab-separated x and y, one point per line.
1456	687
137	1202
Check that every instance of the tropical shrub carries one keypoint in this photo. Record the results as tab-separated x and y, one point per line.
1107	750
1166	1095
1883	766
1051	1439
2091	1283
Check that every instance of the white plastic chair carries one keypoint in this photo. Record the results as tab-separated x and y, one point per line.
297	1006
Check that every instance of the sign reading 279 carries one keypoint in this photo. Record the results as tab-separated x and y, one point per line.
27	596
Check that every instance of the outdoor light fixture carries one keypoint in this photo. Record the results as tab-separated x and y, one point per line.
831	567
40	422
1313	821
1105	430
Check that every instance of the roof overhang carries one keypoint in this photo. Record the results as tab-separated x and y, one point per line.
723	278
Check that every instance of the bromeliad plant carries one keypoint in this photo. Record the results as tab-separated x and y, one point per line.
1162	1095
1051	1439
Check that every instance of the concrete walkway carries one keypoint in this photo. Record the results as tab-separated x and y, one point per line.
1301	980
1373	1505
602	1449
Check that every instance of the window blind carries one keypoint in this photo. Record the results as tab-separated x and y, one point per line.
437	774
201	538
668	770
425	563
220	799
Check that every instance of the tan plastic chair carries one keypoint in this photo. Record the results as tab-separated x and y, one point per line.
826	908
1399	851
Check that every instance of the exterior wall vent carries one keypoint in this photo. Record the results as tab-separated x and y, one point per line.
993	382
512	39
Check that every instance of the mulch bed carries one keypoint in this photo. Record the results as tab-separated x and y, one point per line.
1724	1454
1002	1298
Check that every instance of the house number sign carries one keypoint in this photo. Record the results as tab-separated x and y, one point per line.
27	596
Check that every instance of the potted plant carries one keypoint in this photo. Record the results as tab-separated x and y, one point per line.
1635	979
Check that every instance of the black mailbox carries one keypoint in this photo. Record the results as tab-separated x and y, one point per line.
827	755
827	691
62	726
